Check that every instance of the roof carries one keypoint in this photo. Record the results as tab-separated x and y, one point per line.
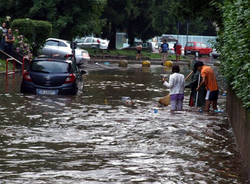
169	38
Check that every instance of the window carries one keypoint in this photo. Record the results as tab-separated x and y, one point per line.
88	40
203	45
190	44
50	67
198	44
61	44
51	43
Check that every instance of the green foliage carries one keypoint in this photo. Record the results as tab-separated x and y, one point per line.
26	28
35	31
131	53
234	47
43	30
3	65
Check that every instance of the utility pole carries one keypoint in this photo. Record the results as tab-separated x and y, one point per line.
187	31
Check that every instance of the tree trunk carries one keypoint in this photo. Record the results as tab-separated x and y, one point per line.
112	41
131	37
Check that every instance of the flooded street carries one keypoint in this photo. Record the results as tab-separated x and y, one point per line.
94	137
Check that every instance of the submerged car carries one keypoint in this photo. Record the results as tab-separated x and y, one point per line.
48	76
62	48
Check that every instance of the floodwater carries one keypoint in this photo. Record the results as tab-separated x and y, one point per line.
96	138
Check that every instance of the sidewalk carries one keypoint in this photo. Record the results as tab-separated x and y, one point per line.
132	61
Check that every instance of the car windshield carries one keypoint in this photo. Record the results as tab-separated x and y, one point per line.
50	67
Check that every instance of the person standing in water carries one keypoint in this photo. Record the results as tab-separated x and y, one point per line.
176	85
209	80
193	84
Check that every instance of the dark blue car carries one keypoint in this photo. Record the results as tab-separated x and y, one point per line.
50	77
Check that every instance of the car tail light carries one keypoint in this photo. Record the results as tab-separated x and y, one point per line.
71	78
26	76
98	41
85	55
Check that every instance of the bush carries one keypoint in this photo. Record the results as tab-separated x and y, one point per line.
43	30
234	47
26	27
35	31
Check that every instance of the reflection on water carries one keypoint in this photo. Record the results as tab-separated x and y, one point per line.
95	138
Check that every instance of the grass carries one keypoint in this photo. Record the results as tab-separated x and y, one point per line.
3	65
127	53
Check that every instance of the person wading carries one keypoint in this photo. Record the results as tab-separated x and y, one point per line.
176	85
209	80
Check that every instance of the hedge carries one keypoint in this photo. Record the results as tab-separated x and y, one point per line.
234	47
36	31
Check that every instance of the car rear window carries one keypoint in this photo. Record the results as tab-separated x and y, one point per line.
50	67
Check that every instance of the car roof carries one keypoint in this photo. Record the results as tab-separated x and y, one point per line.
56	39
194	42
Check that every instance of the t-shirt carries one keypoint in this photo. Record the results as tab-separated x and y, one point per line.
176	83
4	31
164	47
139	47
208	73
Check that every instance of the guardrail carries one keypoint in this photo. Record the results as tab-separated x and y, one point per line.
11	57
13	66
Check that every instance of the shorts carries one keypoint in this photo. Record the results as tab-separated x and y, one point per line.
138	51
212	95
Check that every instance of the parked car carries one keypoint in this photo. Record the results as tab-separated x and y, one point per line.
47	76
62	48
197	48
92	42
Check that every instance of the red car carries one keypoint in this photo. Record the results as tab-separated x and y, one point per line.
197	48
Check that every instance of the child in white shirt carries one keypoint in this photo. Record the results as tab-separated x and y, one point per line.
176	85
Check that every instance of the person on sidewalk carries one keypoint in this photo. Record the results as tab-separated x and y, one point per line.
138	51
176	85
4	32
209	80
9	39
178	51
164	51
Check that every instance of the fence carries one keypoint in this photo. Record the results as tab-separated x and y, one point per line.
122	41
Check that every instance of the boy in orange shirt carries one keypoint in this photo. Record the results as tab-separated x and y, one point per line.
209	80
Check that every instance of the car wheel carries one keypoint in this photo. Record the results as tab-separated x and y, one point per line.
197	54
185	53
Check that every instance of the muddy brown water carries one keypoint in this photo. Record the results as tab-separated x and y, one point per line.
95	137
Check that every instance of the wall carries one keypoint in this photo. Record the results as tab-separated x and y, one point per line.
240	121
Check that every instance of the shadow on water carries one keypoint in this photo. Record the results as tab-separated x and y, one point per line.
95	137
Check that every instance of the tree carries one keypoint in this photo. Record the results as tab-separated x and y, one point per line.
115	13
69	18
